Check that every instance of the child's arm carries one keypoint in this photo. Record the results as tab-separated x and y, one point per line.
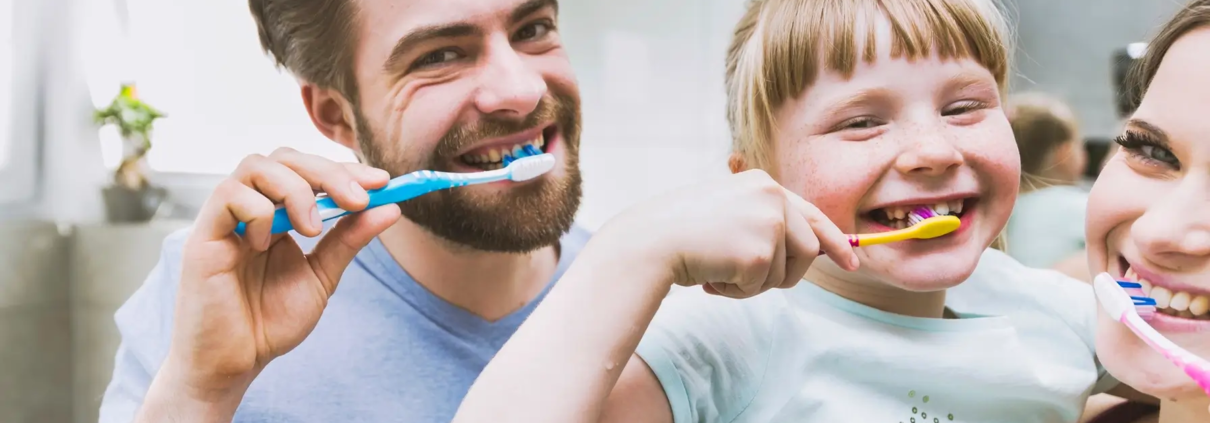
573	359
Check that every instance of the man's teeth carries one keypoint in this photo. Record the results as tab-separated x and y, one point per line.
1174	303
493	158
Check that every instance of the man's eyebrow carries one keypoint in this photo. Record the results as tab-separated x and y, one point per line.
424	34
532	6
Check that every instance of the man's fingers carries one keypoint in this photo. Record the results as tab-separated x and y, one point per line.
828	236
353	232
282	185
332	178
232	203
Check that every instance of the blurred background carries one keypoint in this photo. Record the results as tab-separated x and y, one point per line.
74	243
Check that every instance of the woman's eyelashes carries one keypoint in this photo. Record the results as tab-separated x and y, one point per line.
1148	150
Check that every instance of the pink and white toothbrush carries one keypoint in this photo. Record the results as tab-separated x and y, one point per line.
1131	310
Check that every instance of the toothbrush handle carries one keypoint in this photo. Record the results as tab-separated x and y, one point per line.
400	189
1197	368
854	240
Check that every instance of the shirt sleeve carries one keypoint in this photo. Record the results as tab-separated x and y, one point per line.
144	324
711	353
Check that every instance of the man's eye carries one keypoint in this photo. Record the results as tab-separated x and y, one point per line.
435	58
533	31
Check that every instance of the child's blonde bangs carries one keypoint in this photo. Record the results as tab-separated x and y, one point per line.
779	45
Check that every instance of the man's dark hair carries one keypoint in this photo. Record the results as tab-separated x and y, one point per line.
312	39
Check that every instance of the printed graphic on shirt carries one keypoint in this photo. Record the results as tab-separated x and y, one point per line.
922	415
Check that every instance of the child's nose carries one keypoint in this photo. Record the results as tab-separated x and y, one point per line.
930	157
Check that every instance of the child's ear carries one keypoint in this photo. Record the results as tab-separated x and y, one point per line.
737	163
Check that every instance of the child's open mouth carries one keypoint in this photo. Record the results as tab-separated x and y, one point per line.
1169	300
497	156
896	217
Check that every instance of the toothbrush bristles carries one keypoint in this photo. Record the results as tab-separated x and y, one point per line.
1145	306
919	215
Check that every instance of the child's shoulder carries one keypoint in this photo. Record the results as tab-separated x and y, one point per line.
1001	285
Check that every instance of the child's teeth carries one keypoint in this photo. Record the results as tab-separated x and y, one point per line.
1131	275
1162	296
900	213
956	206
1199	305
494	156
541	141
517	151
942	209
1179	301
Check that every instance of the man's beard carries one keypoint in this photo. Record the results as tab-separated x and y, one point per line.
519	220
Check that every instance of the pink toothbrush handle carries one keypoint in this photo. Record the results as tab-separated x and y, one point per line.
1194	366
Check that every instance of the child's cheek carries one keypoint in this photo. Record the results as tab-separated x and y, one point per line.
835	180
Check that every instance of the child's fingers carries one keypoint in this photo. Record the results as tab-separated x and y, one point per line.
828	237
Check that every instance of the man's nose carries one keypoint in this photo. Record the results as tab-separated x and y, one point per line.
507	85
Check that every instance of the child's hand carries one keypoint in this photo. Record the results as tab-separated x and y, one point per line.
738	238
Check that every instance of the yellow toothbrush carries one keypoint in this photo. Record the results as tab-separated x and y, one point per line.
925	225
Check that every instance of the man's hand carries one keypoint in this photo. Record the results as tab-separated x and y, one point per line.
244	301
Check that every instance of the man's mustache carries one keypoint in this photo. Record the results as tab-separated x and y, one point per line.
549	110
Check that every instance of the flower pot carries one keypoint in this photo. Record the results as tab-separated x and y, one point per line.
125	205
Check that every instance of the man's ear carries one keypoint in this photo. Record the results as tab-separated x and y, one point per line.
331	114
737	163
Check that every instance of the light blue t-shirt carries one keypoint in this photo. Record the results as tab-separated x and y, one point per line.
1047	225
385	350
1021	351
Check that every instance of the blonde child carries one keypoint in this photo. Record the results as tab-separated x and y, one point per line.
1147	218
861	110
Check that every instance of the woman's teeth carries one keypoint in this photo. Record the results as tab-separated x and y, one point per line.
897	216
1174	303
494	159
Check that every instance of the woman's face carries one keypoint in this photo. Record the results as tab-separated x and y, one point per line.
1149	220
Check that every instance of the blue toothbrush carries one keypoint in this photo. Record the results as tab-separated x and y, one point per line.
421	182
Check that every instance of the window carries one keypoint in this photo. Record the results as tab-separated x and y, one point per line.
20	101
200	63
6	79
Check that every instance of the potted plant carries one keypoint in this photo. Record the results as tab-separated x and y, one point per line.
130	197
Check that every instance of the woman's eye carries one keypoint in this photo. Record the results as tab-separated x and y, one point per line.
532	31
1158	154
1148	149
436	58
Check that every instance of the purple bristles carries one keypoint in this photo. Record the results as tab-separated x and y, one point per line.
1143	304
919	214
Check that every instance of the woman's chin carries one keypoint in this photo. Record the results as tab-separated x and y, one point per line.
1134	364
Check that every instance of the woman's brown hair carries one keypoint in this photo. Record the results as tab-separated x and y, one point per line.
1193	16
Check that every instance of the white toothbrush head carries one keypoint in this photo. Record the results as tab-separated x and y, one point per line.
526	168
1112	297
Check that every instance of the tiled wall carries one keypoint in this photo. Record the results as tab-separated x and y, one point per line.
35	324
59	288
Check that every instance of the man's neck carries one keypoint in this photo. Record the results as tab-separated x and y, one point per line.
487	284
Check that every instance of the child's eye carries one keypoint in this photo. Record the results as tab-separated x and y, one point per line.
1148	149
863	122
963	107
436	58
